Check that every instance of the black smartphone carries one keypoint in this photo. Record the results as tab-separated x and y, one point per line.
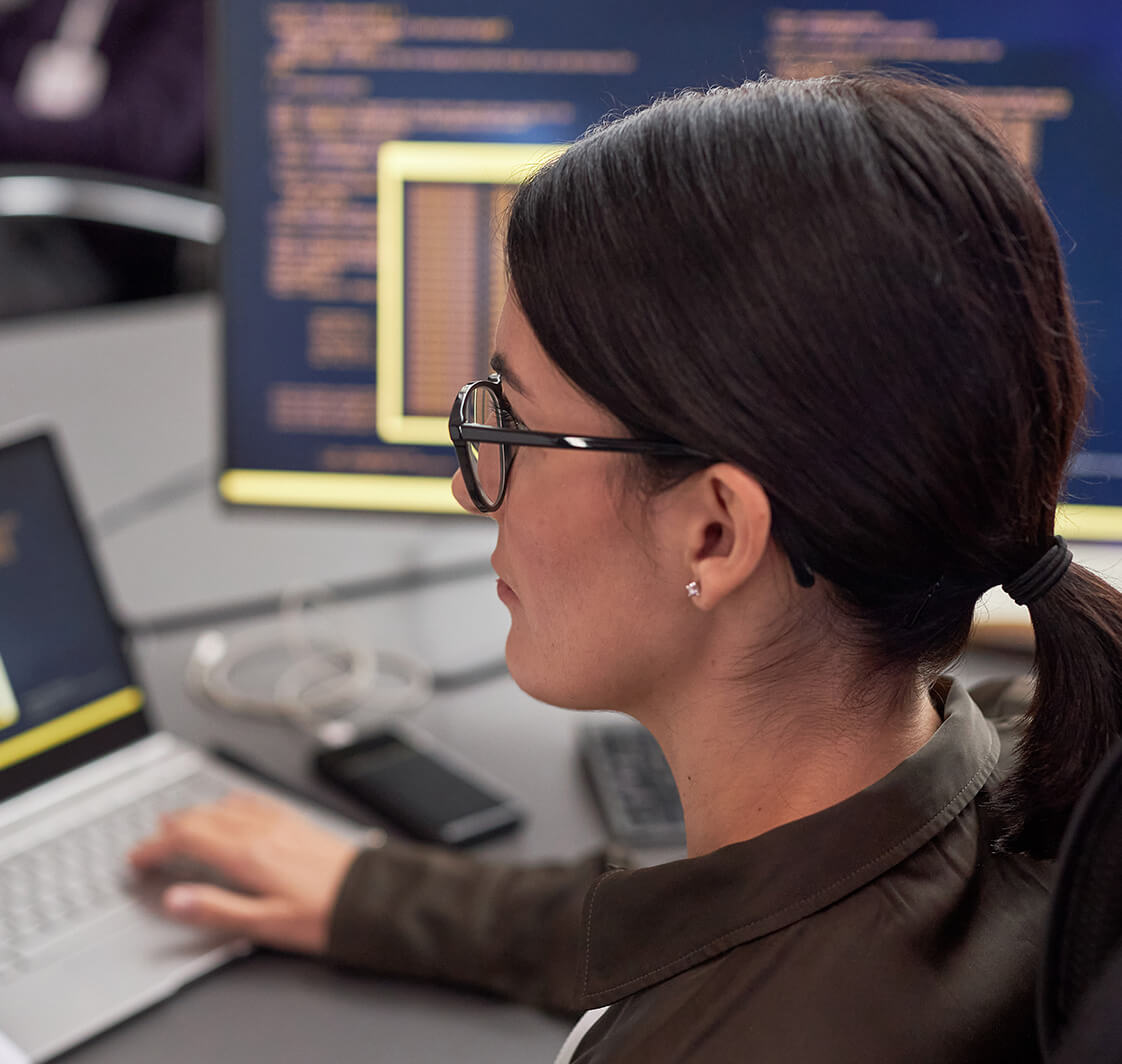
424	791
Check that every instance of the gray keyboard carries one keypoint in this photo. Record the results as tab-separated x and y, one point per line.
633	784
63	883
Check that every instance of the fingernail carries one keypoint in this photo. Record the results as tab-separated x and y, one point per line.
179	899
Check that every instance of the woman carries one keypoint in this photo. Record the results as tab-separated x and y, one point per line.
834	313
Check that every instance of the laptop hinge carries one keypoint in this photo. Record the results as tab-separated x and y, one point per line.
44	797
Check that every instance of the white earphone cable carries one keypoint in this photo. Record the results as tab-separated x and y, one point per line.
326	677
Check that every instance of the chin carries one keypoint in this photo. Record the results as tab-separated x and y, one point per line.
534	681
555	680
547	684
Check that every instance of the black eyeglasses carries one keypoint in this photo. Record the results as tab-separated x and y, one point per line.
482	427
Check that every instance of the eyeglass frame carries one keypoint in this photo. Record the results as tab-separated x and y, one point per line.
462	432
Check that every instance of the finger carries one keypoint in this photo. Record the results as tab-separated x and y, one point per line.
259	809
209	906
206	833
245	799
269	920
161	842
150	852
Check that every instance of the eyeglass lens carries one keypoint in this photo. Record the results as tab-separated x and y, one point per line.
487	459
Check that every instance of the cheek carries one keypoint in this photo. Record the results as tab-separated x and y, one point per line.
585	632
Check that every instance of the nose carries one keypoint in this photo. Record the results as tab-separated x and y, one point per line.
463	497
460	493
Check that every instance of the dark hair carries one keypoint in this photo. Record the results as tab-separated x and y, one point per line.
848	287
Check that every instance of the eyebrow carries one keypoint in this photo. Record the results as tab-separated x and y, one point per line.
500	365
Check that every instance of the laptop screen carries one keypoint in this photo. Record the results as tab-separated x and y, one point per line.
67	693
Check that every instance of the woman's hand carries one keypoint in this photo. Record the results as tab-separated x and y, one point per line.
291	868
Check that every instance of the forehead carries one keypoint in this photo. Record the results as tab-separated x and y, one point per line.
540	389
519	357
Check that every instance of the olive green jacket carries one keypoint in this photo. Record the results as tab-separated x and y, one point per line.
881	929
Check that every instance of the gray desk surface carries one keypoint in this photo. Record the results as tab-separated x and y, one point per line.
134	393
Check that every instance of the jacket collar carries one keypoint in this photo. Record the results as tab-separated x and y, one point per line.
704	906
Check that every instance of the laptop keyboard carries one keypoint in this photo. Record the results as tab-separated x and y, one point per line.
70	880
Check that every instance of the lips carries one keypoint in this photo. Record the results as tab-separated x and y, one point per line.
505	591
495	567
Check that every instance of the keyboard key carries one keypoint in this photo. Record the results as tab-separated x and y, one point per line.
68	881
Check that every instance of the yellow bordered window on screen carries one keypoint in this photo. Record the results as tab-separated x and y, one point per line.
441	275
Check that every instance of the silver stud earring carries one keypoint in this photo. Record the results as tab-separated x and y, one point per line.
693	589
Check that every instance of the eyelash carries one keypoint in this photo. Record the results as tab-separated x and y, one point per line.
517	422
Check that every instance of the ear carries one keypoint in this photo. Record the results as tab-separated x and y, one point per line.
728	532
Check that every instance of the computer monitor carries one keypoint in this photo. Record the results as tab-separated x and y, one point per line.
368	151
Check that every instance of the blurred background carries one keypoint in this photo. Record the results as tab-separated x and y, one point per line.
114	90
249	252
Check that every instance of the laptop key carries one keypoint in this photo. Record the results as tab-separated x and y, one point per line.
47	944
70	882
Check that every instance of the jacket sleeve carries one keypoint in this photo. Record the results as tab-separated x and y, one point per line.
411	910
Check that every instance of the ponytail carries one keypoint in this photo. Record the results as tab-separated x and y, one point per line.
1076	711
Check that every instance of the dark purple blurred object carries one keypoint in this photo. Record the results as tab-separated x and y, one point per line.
150	123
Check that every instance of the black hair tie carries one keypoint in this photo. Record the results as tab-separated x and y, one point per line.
804	575
1041	577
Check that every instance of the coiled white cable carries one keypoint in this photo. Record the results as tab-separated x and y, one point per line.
326	676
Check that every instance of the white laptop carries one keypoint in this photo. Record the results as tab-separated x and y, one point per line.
82	777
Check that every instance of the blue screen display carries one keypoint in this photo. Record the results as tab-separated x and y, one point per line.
313	93
59	647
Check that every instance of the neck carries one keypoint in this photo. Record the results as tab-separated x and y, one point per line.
748	764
